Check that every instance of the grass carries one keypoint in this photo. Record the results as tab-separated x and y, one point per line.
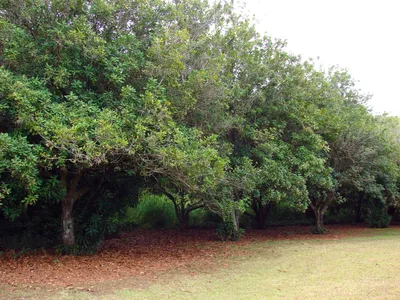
352	268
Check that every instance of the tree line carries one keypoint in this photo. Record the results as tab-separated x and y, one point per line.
185	98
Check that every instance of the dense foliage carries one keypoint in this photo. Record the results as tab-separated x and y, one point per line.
99	99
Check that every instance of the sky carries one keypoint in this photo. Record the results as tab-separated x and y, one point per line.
361	36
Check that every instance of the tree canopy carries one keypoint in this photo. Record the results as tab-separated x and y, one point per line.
188	96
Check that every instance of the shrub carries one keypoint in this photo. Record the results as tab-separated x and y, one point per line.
100	214
339	215
204	218
225	232
152	211
282	215
38	226
378	217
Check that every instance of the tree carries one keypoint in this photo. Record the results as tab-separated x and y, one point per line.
281	178
192	169
189	94
365	157
279	113
71	82
228	199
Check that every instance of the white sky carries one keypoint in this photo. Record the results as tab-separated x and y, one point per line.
361	36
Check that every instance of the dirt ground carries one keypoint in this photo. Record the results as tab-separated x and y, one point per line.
144	254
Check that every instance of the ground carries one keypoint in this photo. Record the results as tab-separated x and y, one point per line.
351	262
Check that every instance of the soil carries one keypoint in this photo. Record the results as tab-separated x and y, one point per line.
144	254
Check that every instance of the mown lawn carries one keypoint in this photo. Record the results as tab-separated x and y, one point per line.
362	267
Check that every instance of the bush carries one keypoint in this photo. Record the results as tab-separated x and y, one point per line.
38	226
152	211
248	220
99	214
225	232
339	215
204	218
378	217
282	215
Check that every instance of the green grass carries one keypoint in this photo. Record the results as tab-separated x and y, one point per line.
353	268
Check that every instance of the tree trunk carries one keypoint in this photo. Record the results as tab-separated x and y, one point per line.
359	204
320	219
68	236
182	213
184	221
235	223
185	218
391	211
260	220
319	208
67	205
261	211
319	211
257	208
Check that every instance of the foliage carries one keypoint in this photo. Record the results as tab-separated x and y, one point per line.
187	98
100	213
226	231
204	218
75	81
37	225
151	212
19	178
193	168
377	215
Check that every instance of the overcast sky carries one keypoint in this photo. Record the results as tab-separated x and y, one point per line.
361	36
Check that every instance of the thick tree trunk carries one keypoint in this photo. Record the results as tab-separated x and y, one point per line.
235	223
184	221
319	211
68	236
320	220
67	205
319	208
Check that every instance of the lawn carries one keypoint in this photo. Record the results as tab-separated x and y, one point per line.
360	264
